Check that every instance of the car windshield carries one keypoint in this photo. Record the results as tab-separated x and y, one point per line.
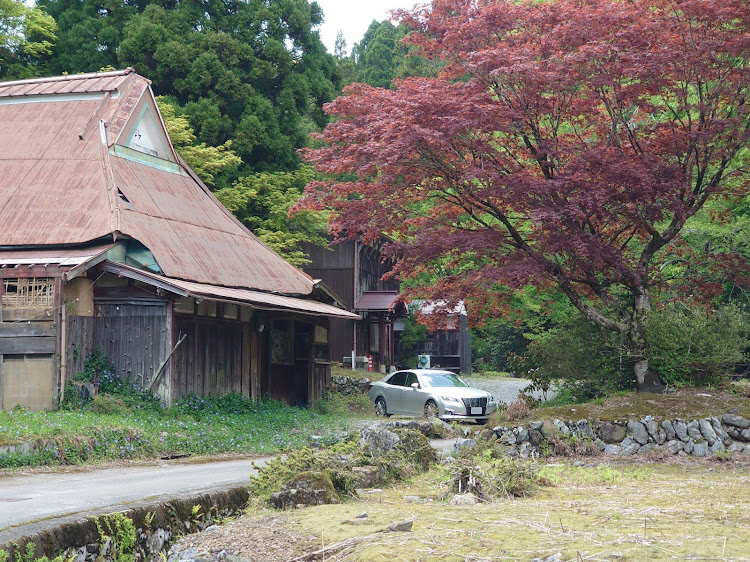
442	379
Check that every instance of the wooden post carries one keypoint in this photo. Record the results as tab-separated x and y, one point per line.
255	360
246	361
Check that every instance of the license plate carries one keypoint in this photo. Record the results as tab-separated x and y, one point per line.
476	410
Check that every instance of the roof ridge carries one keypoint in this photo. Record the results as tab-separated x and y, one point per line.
69	77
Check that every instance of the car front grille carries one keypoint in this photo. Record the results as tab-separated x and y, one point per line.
475	403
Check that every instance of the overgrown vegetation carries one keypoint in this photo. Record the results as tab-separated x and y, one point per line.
125	422
413	455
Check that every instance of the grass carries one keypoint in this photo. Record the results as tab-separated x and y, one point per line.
684	403
696	510
196	426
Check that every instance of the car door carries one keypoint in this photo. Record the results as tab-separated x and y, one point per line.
413	399
393	392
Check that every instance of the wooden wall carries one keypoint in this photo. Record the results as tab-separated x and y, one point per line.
135	338
210	360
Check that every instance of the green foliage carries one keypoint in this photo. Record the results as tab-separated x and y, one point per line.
27	35
381	57
100	371
493	341
690	346
262	202
411	456
581	356
26	555
413	334
336	461
338	404
119	530
211	163
194	426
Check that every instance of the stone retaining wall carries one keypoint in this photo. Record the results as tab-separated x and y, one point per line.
349	385
723	435
156	525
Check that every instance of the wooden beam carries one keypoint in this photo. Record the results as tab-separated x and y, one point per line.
30	329
21	345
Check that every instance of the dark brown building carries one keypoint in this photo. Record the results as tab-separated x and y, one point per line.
354	272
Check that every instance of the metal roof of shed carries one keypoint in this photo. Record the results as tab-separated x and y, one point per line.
254	299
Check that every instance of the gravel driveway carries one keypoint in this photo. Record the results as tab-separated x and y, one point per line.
503	389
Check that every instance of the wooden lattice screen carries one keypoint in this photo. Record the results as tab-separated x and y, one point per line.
29	293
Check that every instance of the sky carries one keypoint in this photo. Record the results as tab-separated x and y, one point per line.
353	17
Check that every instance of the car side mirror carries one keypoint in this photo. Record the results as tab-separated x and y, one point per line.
415	385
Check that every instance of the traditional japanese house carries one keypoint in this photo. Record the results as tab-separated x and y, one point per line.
109	241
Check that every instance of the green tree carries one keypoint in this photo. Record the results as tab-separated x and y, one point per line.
27	35
210	163
262	201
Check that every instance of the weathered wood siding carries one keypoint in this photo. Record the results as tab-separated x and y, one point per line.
209	362
134	338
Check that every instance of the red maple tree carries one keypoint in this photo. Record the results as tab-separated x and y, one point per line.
564	144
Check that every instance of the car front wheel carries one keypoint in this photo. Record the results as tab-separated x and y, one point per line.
381	409
431	409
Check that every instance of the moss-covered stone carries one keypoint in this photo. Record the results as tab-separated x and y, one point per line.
306	488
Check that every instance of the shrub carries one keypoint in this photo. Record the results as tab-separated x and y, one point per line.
493	342
587	360
335	403
97	369
690	346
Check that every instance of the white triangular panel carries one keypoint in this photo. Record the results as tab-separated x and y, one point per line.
147	136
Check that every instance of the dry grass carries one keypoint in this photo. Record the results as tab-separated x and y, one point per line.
696	510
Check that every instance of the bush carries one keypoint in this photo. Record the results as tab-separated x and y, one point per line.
493	342
690	346
97	369
584	359
335	403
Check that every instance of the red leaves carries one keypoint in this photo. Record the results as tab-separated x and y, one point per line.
564	142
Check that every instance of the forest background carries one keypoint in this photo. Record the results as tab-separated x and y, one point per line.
242	86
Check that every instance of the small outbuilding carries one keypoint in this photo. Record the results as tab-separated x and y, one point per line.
109	241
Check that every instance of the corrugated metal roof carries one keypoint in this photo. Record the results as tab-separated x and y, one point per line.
71	83
377	300
255	299
60	185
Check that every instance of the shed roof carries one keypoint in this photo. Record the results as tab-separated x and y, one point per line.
377	300
67	176
254	299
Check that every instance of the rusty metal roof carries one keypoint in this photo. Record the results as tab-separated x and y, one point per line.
254	299
377	300
62	182
69	84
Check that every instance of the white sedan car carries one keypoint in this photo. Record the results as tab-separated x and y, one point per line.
430	393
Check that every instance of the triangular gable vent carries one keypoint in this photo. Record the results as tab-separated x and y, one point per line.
147	137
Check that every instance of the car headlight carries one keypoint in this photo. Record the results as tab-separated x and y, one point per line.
451	400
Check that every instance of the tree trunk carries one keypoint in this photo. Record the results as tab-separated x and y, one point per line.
647	380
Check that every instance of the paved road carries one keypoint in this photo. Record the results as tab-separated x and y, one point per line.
503	389
31	503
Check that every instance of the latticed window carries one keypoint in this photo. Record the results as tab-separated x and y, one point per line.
29	293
